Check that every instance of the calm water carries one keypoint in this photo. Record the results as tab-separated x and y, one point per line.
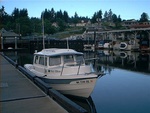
125	88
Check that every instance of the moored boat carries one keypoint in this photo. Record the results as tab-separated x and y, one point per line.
65	70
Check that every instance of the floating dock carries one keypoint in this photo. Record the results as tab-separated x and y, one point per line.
19	94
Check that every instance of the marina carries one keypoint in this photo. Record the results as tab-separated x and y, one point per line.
54	61
134	39
71	81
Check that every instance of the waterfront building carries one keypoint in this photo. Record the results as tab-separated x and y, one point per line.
8	37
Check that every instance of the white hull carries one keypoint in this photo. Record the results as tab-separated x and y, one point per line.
76	89
76	85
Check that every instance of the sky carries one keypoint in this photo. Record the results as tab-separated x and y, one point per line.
127	9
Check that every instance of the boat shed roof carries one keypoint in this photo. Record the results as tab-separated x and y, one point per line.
4	33
56	52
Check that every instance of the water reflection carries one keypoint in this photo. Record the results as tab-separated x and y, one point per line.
124	59
86	103
108	59
122	91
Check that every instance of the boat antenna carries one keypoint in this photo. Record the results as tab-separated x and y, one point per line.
43	30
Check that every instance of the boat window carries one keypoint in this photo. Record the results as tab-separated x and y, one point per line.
41	60
68	58
79	59
36	60
55	60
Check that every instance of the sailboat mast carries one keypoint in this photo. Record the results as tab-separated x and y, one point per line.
43	30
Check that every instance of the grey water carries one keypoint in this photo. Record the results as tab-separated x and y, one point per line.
125	87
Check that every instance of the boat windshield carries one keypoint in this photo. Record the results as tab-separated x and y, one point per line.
68	58
40	60
76	59
55	60
79	59
43	60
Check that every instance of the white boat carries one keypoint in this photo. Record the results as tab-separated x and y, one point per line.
89	47
123	45
107	45
129	45
64	70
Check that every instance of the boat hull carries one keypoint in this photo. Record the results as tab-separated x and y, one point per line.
80	85
75	87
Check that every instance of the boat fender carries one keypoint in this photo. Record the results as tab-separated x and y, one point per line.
44	76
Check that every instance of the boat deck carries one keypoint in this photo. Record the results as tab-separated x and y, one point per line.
20	95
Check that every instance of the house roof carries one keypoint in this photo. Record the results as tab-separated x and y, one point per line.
140	26
5	33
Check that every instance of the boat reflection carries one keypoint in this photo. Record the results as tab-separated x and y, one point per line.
86	103
135	61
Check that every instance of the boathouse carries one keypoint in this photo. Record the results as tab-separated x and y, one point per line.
8	37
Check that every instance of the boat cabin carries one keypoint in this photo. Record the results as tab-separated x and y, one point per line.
58	57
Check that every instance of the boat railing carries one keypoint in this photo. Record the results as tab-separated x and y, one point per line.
75	63
79	68
62	70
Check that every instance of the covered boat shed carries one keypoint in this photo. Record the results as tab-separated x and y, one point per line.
8	36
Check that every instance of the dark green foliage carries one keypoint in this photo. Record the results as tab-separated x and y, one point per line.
54	21
97	16
144	17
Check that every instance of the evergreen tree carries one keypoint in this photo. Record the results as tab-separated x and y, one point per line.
15	13
110	14
59	15
106	16
93	20
75	18
66	17
119	19
35	25
144	17
21	22
4	18
52	15
2	12
116	20
97	17
23	13
99	14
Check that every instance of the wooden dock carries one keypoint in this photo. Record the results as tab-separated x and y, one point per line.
23	92
20	95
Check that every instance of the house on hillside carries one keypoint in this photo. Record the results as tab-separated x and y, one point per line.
129	23
135	24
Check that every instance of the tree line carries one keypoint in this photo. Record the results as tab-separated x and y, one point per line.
54	21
